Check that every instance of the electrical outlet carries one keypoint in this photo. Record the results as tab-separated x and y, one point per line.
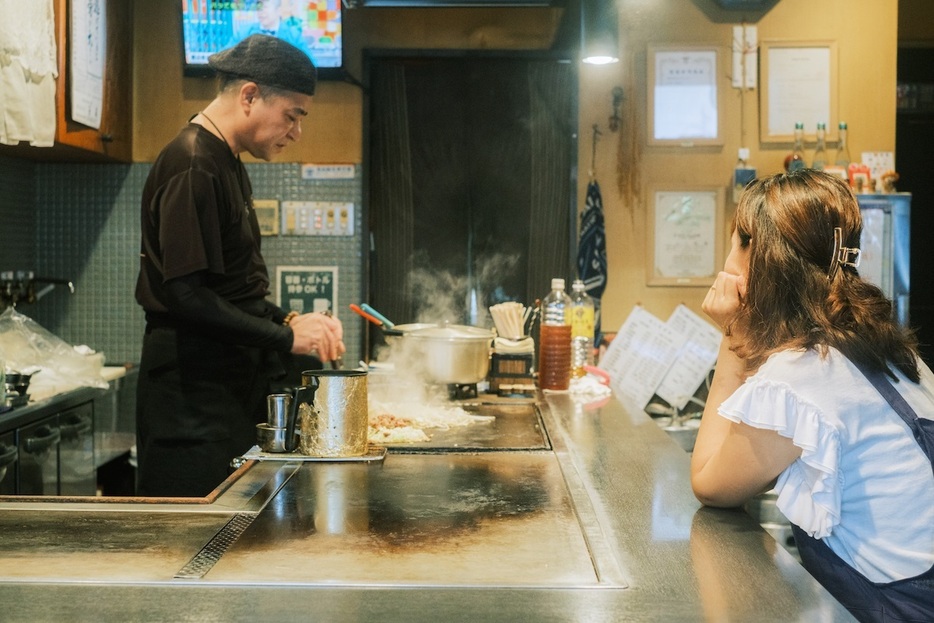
317	218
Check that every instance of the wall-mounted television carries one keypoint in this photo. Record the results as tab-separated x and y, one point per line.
315	26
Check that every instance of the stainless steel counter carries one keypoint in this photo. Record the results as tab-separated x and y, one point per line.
596	524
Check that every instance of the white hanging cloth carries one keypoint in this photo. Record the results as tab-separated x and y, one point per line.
28	70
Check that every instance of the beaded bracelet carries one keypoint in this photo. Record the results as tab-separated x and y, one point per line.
288	318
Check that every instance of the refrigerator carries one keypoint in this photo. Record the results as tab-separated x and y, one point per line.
886	247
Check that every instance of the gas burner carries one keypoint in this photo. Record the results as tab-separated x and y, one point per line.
517	389
460	391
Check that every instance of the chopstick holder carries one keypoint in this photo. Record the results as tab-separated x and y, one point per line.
508	346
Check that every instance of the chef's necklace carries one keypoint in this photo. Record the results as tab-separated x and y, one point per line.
246	202
223	138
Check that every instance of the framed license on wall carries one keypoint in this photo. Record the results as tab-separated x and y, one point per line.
684	104
686	242
798	85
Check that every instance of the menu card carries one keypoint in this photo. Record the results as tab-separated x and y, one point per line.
669	359
87	62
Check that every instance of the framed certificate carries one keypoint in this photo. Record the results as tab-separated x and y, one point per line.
798	84
686	245
684	104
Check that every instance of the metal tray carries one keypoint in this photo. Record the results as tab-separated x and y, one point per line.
374	453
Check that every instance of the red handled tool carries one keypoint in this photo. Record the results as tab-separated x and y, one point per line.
356	309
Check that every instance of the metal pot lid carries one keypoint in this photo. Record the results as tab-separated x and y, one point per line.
414	326
452	332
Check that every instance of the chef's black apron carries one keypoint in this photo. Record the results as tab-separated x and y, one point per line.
198	402
910	599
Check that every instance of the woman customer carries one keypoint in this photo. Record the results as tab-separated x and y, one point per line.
790	409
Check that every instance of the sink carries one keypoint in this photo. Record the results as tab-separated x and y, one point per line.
680	426
684	433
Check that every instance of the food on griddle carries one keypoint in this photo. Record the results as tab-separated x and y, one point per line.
388	428
385	426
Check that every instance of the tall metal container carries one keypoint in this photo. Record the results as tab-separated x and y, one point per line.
886	247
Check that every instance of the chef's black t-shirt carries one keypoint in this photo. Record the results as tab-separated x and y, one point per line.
200	233
197	216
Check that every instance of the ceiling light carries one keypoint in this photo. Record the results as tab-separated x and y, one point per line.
599	32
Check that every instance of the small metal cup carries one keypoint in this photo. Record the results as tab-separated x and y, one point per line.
271	439
277	410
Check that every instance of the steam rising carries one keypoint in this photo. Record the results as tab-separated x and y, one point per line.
441	297
398	376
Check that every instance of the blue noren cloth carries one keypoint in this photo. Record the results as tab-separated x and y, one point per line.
591	250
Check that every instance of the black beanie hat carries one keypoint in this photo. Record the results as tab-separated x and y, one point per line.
268	61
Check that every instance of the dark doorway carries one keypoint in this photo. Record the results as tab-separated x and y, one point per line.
914	136
470	182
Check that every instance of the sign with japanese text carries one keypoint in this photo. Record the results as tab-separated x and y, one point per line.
307	289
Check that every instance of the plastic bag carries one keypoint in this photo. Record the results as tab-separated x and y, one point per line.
25	346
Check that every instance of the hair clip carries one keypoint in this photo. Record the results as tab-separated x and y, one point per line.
842	256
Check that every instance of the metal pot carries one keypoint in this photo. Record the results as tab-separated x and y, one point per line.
452	354
16	382
331	414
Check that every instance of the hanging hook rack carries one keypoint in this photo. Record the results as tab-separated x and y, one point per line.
617	102
593	149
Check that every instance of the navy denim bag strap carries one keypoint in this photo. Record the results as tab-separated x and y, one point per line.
922	429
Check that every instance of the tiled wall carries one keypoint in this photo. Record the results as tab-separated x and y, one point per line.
17	214
83	226
87	233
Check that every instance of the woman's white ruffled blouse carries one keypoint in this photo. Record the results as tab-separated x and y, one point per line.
862	482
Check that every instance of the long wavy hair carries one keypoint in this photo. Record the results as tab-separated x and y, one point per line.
797	295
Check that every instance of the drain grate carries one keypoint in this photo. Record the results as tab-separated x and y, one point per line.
204	560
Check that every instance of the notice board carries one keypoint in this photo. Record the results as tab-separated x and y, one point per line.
306	289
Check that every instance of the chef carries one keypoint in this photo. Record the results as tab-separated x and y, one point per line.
212	339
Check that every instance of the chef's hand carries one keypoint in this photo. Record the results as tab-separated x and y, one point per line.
318	333
724	300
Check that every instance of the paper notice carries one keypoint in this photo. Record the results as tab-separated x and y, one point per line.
700	342
88	50
670	359
639	355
